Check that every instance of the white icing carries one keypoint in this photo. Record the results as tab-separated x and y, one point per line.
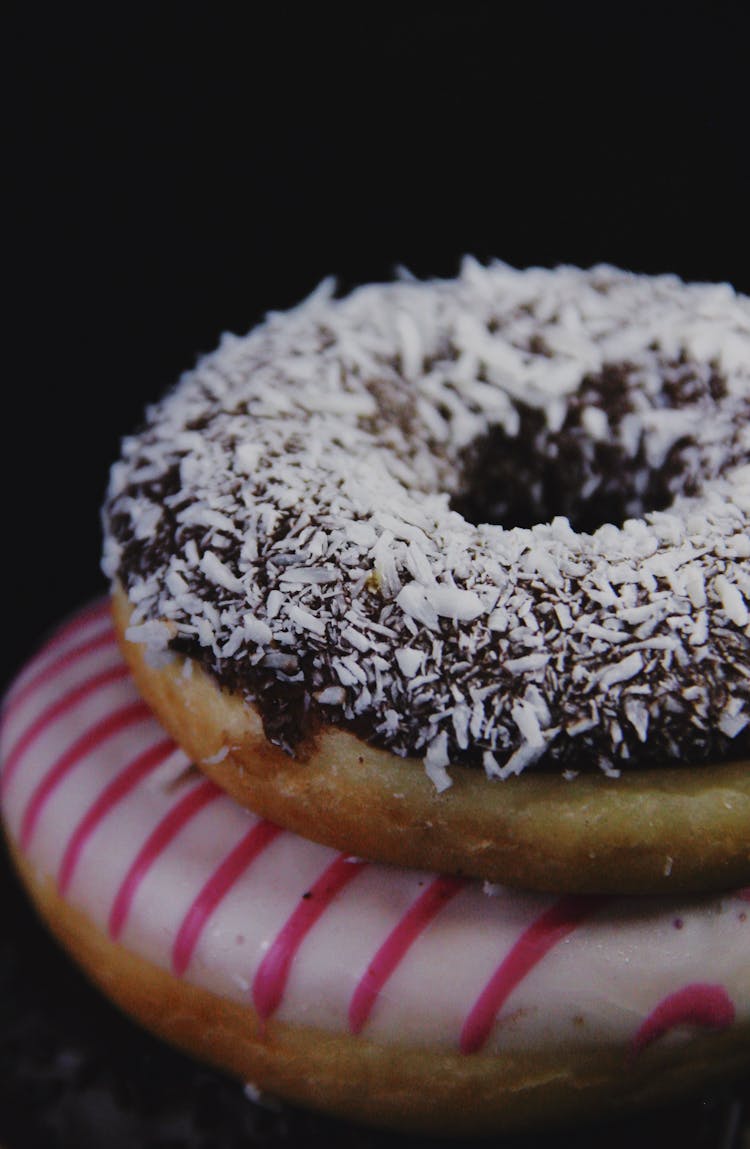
600	983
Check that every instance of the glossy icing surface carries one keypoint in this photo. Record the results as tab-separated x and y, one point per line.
99	800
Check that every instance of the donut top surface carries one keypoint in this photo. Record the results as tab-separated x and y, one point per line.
500	520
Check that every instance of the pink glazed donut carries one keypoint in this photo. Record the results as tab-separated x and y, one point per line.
404	999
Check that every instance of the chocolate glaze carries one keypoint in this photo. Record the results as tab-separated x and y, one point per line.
533	476
602	462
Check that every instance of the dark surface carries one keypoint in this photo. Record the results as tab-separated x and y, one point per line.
174	174
175	171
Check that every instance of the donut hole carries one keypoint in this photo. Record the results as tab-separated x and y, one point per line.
588	483
606	463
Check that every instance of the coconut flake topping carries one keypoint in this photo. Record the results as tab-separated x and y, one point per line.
305	513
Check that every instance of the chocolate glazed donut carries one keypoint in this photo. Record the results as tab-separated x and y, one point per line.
455	574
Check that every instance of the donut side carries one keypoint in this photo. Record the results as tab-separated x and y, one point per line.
656	831
397	997
417	1090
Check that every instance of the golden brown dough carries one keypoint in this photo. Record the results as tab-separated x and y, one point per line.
410	1089
650	831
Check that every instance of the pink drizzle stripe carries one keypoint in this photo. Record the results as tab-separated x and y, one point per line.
218	885
171	824
272	974
62	662
94	737
707	1006
56	710
85	618
117	789
396	946
535	942
100	608
744	894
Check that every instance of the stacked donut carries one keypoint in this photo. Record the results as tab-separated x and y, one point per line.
408	778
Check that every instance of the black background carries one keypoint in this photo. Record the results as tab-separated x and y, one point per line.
176	171
179	170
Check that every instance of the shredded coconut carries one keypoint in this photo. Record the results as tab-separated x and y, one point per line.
295	511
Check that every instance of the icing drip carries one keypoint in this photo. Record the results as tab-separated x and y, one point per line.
705	1006
57	710
273	972
542	935
216	888
289	515
396	945
119	787
168	829
87	744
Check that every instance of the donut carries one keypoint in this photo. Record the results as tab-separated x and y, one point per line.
403	998
454	575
